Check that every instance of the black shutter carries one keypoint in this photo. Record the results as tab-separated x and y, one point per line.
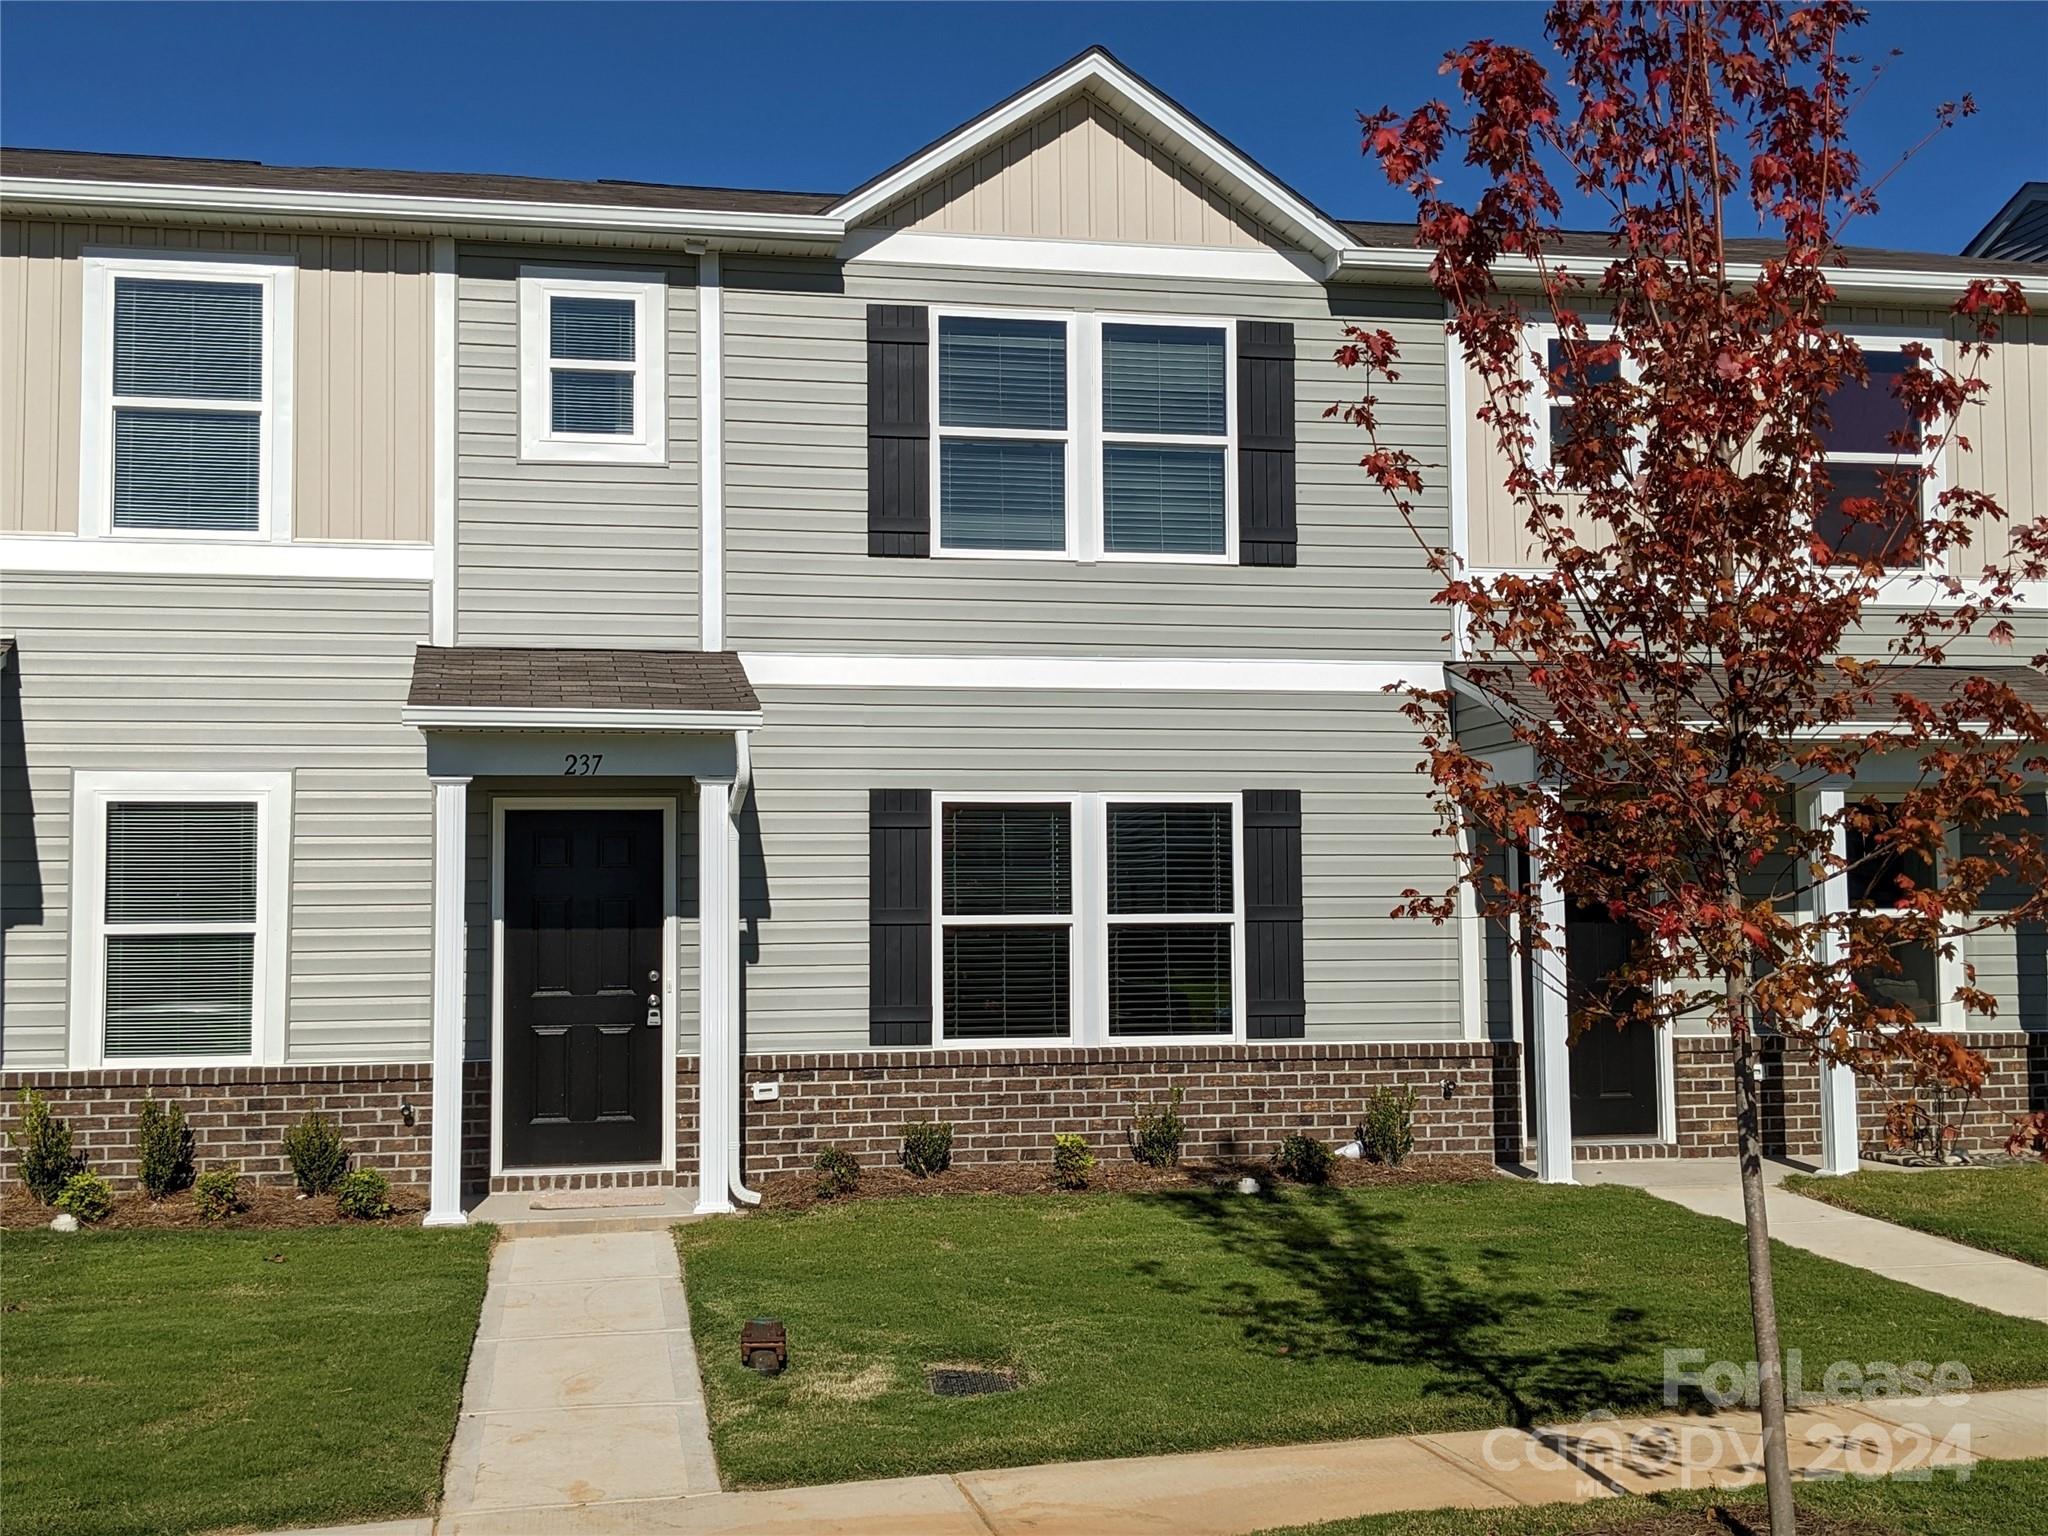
899	431
1273	991
899	917
1265	442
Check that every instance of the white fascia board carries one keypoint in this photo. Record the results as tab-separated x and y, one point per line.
1126	92
1134	674
465	212
195	555
1098	258
453	717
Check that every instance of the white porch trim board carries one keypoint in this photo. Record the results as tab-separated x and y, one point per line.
1550	1029
717	975
1840	1137
451	840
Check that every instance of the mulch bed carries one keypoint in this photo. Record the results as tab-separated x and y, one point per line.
799	1191
271	1207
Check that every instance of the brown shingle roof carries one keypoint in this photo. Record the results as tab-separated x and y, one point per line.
168	170
1510	684
485	677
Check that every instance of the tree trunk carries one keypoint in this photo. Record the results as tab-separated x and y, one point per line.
1763	1301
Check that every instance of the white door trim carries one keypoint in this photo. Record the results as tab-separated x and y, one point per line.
671	949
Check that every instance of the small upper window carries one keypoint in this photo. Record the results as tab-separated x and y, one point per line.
1568	382
1165	439
1004	437
182	395
591	375
1875	461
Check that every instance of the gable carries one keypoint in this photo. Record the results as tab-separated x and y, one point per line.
1078	172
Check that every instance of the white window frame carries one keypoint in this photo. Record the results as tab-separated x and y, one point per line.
1072	920
1089	921
1069	435
1234	918
277	277
1097	523
1950	1016
1536	367
91	793
1894	339
539	443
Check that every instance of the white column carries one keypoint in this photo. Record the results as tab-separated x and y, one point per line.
1549	1028
451	963
1840	1137
717	954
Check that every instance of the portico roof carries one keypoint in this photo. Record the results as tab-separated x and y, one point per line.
508	687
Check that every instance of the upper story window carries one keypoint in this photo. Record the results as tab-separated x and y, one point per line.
1873	445
179	929
1084	437
1573	370
186	425
591	370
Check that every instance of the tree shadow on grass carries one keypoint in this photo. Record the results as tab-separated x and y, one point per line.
1341	1286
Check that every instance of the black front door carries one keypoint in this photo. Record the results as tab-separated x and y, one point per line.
1614	1071
583	922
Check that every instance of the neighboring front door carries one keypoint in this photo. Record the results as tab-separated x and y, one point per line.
1614	1071
583	986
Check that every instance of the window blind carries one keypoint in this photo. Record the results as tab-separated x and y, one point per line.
999	493
1003	373
1169	980
584	329
188	340
197	471
1162	500
1007	983
600	403
1170	858
1008	860
171	865
1160	378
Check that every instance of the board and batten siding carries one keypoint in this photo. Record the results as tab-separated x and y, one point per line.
1366	831
211	676
798	575
362	396
1078	172
2008	455
568	554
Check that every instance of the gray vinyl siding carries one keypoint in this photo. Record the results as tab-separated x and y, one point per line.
1366	832
568	554
798	576
225	675
2012	963
483	795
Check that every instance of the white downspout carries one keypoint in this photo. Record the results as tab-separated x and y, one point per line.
743	783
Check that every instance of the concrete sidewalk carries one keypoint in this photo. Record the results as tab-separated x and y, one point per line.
1709	1185
1234	1493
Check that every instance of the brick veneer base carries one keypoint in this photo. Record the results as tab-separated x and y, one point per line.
1238	1100
238	1115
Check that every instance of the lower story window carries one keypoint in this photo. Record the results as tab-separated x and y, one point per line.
1881	879
182	943
1172	900
1007	889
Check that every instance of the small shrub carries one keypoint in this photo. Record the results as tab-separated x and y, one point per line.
87	1196
42	1143
1072	1162
164	1147
1305	1159
1388	1134
364	1195
218	1194
927	1147
318	1155
838	1173
1157	1133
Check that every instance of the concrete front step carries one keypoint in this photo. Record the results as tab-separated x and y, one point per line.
560	1213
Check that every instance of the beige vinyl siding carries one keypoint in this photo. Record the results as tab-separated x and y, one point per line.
2007	457
221	675
798	575
363	339
568	554
483	796
1078	172
1366	831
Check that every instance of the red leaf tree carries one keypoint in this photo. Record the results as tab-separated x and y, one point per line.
1733	642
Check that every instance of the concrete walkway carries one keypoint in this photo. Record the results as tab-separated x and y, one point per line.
1709	1185
583	1386
1234	1493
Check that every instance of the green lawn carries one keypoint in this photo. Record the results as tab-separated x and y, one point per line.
2004	1210
1987	1502
1191	1320
165	1382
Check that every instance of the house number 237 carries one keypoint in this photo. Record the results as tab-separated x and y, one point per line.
580	765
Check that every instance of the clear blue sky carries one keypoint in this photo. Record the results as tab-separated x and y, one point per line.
820	97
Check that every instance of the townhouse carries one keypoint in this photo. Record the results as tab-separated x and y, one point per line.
597	683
